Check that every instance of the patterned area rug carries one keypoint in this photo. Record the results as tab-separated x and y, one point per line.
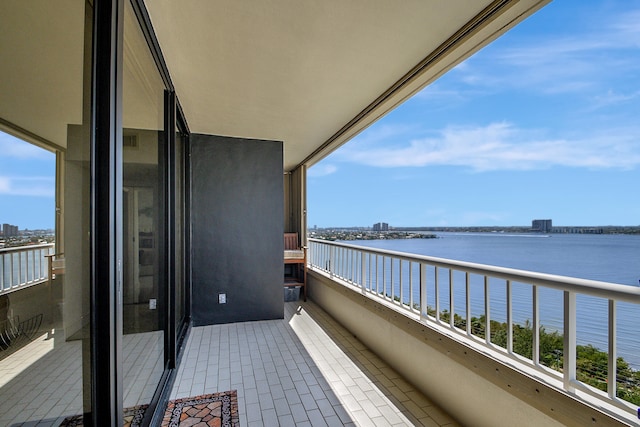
132	417
208	410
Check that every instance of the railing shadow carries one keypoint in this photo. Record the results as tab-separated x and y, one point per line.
406	399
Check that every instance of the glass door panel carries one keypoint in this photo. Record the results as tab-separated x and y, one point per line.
45	64
144	205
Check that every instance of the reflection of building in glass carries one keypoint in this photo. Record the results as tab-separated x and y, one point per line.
381	226
541	225
9	230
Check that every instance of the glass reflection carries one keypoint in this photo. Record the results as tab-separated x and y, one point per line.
45	63
179	232
143	221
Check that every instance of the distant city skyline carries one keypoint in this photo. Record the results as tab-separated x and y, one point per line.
541	123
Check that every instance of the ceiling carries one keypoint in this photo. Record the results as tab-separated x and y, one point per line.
310	73
315	73
41	64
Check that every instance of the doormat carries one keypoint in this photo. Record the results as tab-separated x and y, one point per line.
132	417
217	409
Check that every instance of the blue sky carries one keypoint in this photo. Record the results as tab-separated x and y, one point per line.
27	184
542	123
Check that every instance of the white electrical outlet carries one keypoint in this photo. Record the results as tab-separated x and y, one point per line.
152	304
222	298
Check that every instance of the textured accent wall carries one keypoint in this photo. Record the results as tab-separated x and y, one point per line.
237	235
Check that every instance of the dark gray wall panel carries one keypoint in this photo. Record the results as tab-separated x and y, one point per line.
237	219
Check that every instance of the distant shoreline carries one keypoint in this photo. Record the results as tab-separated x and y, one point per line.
331	235
607	229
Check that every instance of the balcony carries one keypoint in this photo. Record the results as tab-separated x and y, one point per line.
409	309
303	370
392	352
24	266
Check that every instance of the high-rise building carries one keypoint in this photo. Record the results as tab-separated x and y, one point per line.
9	230
380	226
541	225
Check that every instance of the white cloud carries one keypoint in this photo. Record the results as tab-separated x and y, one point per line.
5	185
627	29
499	146
556	64
612	97
321	170
27	186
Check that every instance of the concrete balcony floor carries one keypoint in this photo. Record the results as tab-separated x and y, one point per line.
304	370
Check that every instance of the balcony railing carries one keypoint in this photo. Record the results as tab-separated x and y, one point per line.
24	266
475	304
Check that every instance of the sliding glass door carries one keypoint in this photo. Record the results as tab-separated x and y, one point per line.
45	144
144	214
93	282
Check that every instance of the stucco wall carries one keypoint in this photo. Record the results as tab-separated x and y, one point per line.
475	389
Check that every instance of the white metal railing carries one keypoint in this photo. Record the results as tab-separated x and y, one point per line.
449	293
24	266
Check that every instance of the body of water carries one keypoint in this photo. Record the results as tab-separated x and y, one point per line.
613	258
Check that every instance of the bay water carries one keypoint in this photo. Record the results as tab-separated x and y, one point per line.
613	258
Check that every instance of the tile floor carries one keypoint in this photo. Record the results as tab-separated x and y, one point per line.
41	383
305	370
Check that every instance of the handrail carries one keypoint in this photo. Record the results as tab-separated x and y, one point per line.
403	279
26	247
24	266
594	288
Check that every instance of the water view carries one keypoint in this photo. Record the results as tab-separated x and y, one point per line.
609	258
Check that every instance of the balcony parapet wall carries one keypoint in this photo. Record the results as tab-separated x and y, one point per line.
472	386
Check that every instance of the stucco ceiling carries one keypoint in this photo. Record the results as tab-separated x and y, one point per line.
309	73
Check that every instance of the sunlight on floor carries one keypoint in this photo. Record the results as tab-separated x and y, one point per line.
346	378
18	362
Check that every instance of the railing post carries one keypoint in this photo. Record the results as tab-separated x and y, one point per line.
468	301
20	267
11	270
363	272
423	291
509	318
452	312
535	349
2	272
487	311
354	266
569	360
612	381
436	292
369	272
332	253
411	285
400	287
384	276
377	277
393	288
